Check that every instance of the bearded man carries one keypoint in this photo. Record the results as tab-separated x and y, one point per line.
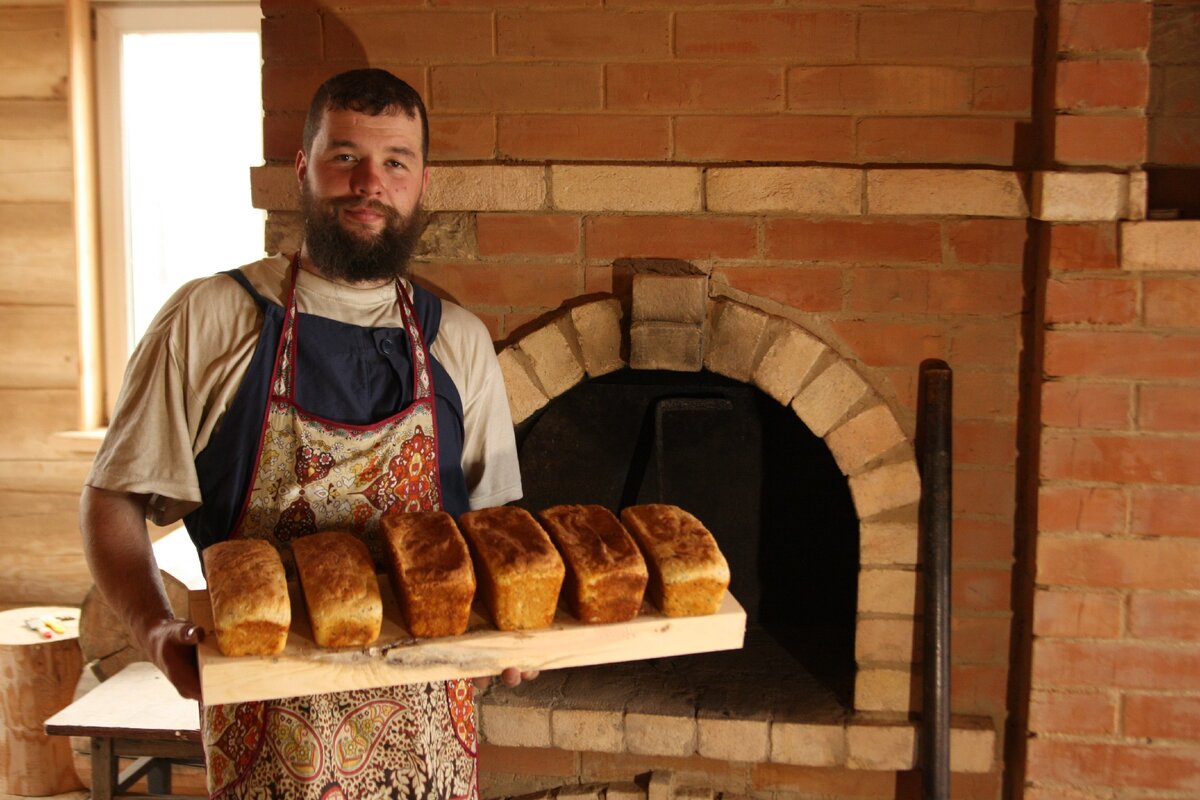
329	363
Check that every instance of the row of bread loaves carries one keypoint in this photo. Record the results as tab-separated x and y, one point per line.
433	564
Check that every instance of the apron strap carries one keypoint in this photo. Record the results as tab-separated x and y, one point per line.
238	276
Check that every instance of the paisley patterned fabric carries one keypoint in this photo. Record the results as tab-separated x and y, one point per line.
411	741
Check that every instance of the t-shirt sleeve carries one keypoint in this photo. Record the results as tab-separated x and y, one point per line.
176	386
489	458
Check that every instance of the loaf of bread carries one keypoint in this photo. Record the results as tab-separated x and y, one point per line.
520	573
606	575
688	574
248	591
431	572
341	591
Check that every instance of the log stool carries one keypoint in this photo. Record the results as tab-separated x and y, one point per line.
38	673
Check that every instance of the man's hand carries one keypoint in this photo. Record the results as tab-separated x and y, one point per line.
510	677
171	645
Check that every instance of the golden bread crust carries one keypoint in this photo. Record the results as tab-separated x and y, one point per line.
341	591
606	574
520	573
431	572
247	588
688	574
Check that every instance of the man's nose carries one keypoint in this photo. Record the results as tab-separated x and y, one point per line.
365	178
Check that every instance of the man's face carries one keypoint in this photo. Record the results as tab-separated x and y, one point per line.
361	187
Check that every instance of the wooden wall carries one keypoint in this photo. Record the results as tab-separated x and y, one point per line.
40	477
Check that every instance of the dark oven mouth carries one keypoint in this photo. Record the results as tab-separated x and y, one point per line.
767	488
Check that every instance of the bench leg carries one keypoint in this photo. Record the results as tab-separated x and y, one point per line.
104	768
158	776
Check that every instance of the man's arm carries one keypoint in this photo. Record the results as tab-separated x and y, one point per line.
117	546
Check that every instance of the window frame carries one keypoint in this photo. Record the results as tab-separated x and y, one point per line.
111	21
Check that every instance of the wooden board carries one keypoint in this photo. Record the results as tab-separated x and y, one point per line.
395	658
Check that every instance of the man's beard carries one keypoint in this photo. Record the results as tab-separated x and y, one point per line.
343	255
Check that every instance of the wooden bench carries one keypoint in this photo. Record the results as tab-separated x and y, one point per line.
138	713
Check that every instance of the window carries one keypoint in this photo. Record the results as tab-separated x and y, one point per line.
179	118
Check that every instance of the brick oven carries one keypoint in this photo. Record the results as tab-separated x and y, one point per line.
791	205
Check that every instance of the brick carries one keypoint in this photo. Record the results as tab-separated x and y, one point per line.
1159	717
733	341
982	490
1173	32
587	730
976	292
804	781
978	688
1003	89
764	138
981	588
884	640
526	760
820	35
515	726
666	345
933	140
890	290
828	398
420	36
879	89
618	188
516	88
800	190
888	543
1092	615
1083	248
1175	140
684	87
670	298
852	241
885	488
1106	457
531	286
584	136
981	541
486	187
1130	355
1108	765
972	749
1073	404
660	735
1161	616
899	344
885	690
1101	27
524	395
1092	85
938	192
909	37
788	361
462	137
1164	512
1073	713
1100	301
808	744
891	747
863	438
610	237
274	188
986	442
289	37
1169	408
1099	140
575	34
1169	563
988	241
1160	245
732	739
553	358
801	287
1079	196
527	234
599	326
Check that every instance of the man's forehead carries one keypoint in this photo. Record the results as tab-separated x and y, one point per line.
342	124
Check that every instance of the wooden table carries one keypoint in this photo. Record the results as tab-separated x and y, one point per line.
136	712
39	669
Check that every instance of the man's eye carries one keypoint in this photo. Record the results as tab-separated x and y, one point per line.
397	164
343	157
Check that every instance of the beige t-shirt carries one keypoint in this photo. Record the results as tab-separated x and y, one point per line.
189	365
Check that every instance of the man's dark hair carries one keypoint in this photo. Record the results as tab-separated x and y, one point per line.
367	91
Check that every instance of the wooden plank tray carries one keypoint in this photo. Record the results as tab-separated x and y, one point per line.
396	657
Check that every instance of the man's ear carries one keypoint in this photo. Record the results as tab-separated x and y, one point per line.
301	166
